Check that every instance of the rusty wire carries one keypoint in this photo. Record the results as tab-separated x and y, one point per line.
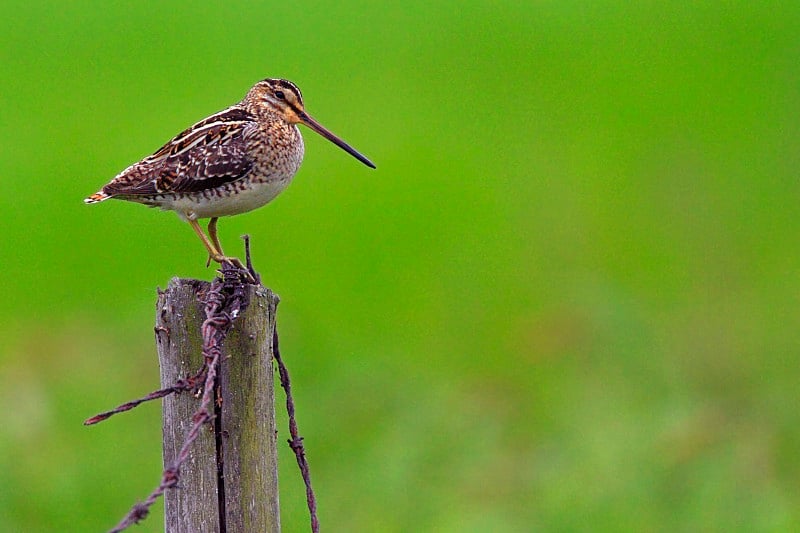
296	441
188	384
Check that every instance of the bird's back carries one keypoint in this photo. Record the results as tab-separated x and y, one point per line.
231	154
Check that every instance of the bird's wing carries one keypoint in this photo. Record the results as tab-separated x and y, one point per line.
209	154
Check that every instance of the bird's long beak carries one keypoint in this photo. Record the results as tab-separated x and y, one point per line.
319	128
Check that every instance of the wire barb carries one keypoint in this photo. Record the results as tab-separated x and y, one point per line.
256	275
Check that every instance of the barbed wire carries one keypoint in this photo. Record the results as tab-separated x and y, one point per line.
296	441
224	300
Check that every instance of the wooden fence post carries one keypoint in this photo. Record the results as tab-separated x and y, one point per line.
230	481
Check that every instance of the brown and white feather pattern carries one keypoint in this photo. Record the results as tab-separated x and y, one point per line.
226	164
204	156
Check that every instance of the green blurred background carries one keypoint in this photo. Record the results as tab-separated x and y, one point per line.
566	300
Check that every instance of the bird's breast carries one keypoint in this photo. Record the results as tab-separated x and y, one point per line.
277	153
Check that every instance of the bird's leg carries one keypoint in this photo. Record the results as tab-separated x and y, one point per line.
213	252
212	232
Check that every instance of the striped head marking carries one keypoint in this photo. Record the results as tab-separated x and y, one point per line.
279	96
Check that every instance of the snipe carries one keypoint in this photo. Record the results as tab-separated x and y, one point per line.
232	162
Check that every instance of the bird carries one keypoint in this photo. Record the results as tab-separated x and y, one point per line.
229	163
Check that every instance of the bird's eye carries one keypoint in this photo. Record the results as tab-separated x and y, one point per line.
279	95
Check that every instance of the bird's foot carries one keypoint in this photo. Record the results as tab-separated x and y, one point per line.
232	265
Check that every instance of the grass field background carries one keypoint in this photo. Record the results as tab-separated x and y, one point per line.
567	299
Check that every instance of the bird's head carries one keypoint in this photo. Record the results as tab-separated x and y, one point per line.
283	98
280	97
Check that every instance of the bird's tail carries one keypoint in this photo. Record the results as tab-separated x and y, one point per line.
97	197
